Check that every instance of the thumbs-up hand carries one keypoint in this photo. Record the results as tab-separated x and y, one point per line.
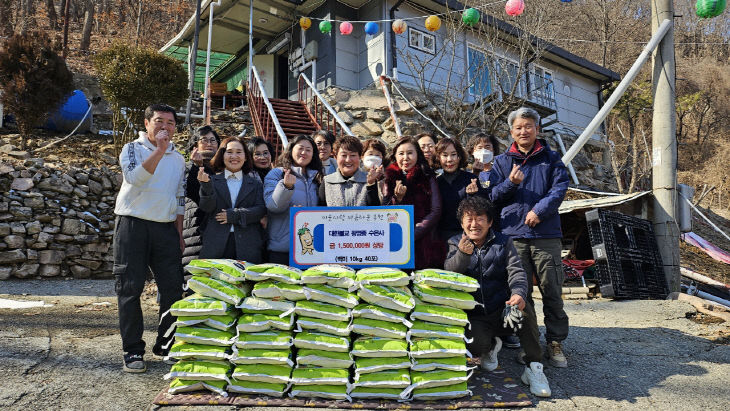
473	187
289	179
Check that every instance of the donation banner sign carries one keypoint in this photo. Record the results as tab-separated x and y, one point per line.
354	236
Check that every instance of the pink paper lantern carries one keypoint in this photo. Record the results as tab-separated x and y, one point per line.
514	7
345	28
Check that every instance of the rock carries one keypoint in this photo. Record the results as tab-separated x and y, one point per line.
33	162
402	108
72	226
33	227
82	178
73	251
108	159
7	148
22	184
80	192
51	256
63	238
346	117
4	229
19	154
36	203
26	270
89	263
367	128
17	228
25	213
6	168
45	237
50	270
79	271
15	241
377	116
95	187
86	238
5	273
12	257
32	255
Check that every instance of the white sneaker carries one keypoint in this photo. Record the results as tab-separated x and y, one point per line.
536	379
490	362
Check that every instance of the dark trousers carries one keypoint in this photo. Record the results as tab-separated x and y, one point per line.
139	245
541	258
230	249
485	327
278	257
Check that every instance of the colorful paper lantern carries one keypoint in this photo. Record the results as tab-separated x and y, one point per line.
470	17
399	26
514	7
305	23
372	28
433	23
345	28
709	8
325	26
566	1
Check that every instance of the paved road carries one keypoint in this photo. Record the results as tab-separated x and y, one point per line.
623	355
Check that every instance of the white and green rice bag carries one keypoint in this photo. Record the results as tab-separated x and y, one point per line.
332	295
230	271
384	379
382	276
254	305
257	387
252	323
277	374
379	328
431	379
197	305
379	347
262	356
271	271
374	312
199	334
436	278
201	352
322	341
178	386
335	275
457	363
219	322
445	392
274	339
443	296
341	328
231	293
200	370
325	359
394	298
278	290
321	310
365	365
440	314
363	393
437	348
424	329
332	392
320	376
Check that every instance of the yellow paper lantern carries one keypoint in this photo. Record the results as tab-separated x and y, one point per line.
433	23
399	26
305	23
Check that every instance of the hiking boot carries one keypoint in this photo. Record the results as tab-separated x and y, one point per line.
512	341
521	357
163	354
555	355
490	362
536	379
134	363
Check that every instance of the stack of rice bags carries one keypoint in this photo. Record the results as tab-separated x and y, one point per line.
381	350
262	353
437	343
322	336
204	330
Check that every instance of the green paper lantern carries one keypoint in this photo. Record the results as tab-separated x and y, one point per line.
709	8
470	17
325	26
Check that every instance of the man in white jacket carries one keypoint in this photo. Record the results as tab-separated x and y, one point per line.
148	230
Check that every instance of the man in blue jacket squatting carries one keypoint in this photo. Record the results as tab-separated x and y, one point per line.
490	257
529	182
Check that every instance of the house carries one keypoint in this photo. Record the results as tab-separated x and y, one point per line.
563	87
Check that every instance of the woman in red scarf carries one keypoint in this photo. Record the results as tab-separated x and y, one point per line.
409	180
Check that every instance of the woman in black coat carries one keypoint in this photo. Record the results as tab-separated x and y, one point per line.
233	203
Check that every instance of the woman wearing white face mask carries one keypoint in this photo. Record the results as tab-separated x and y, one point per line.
374	156
483	148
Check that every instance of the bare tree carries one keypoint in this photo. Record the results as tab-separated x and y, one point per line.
88	22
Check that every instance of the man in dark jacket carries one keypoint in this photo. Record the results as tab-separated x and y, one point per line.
490	257
529	182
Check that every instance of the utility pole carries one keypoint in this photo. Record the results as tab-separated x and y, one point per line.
193	63
664	146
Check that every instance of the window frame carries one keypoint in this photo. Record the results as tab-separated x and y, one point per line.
422	35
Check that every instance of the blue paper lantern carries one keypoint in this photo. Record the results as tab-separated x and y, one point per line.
566	1
372	28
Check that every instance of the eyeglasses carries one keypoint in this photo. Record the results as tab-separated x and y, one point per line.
209	140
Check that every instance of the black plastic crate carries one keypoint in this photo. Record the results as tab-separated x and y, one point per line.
628	262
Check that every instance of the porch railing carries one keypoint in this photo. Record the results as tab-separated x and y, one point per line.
263	117
320	112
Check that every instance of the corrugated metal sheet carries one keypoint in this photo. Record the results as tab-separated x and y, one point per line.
598	202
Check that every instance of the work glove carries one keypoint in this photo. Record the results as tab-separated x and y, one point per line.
512	316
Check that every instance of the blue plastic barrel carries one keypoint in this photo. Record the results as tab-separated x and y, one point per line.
70	114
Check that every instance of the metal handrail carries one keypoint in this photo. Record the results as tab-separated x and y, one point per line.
389	99
315	112
258	94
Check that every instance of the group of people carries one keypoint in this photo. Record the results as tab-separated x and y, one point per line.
494	218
